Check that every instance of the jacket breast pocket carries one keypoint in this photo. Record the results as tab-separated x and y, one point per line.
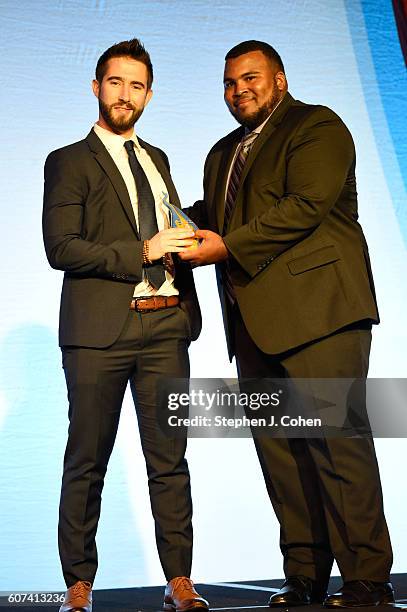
315	259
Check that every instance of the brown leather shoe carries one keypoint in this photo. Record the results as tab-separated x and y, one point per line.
181	596
78	598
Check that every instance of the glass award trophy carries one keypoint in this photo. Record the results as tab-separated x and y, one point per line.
178	218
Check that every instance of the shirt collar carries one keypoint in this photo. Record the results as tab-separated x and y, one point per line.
114	143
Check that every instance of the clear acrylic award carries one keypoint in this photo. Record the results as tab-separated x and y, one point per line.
178	218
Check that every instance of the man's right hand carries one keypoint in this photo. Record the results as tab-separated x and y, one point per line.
172	240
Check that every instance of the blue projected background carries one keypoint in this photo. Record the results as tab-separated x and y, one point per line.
341	53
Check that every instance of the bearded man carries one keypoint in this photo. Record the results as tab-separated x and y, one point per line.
128	313
298	300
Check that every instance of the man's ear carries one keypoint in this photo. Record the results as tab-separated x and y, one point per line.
96	87
149	95
281	81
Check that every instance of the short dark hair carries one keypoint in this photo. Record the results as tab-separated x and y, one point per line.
256	45
127	48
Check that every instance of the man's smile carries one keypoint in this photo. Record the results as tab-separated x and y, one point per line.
243	102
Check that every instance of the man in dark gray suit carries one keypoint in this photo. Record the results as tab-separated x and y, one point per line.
128	313
280	212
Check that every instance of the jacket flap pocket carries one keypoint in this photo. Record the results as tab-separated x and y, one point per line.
320	257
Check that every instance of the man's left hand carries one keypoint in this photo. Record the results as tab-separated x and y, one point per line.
211	249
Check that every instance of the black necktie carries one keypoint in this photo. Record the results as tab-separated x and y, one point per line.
147	220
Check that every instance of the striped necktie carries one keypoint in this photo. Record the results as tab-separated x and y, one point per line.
234	182
235	175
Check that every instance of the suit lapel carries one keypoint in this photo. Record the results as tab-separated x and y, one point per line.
263	137
265	134
163	170
107	164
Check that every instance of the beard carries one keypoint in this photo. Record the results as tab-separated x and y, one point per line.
119	124
253	120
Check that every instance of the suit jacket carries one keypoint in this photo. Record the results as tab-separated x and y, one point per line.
90	232
300	264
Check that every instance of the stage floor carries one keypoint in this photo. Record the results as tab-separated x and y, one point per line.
251	595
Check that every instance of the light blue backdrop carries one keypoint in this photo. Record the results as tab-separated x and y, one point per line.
344	54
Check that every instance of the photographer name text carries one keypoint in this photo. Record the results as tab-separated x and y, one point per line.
240	422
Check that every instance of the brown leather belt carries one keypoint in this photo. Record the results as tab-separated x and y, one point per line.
156	302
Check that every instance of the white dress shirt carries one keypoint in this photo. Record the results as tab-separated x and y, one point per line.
114	144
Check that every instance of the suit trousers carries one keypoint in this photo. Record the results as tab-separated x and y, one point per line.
326	492
151	345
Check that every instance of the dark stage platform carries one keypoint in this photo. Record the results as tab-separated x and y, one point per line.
252	595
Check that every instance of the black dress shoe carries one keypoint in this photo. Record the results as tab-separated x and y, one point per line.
296	591
361	593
